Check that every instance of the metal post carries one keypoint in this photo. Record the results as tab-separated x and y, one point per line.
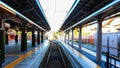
99	39
80	38
72	36
107	53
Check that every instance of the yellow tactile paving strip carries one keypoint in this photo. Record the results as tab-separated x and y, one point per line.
21	58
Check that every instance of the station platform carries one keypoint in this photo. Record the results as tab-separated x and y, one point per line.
15	58
80	57
89	51
32	58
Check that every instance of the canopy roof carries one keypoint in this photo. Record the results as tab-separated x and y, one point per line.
31	9
84	8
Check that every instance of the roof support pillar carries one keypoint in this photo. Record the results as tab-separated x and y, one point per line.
38	37
24	38
80	37
42	36
16	37
68	37
2	40
33	37
72	36
65	37
99	38
7	41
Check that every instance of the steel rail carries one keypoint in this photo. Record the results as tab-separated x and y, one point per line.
48	57
62	56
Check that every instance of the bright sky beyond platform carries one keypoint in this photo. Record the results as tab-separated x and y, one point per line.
55	11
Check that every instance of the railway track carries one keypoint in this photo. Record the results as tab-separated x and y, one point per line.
55	58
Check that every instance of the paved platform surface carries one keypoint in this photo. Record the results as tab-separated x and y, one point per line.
81	58
89	51
14	55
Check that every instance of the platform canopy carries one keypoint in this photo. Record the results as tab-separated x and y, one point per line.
31	9
87	7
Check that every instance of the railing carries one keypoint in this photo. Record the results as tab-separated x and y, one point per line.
113	61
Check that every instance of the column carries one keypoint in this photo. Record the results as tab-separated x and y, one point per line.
7	41
99	38
33	37
2	40
24	38
16	37
80	37
68	37
38	37
72	36
65	38
42	36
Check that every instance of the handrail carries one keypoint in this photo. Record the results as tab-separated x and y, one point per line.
111	47
109	63
114	57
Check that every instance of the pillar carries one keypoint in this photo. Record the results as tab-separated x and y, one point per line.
33	37
2	40
42	36
99	38
24	38
68	36
38	37
65	38
16	37
7	41
80	37
72	36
